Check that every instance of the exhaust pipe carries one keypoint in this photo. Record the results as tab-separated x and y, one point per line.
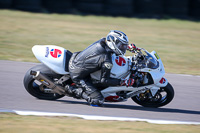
47	82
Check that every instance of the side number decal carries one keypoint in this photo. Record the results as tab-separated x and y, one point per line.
55	53
120	61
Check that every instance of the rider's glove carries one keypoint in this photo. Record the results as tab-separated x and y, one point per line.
132	48
129	82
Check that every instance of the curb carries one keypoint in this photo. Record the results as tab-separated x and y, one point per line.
102	118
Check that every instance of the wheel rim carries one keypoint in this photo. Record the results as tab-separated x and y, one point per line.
160	97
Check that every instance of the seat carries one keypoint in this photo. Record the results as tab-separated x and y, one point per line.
67	58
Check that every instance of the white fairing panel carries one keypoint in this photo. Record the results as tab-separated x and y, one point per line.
119	70
52	56
159	72
120	66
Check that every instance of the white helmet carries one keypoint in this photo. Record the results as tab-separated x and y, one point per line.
117	41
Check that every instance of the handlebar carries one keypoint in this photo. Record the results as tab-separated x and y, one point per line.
138	53
143	59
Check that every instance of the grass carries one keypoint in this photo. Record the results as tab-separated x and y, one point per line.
176	41
11	123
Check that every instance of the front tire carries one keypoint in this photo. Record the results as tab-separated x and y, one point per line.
32	86
159	99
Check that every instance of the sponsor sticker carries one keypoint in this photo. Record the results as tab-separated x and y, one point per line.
162	81
55	53
44	82
120	61
157	56
47	52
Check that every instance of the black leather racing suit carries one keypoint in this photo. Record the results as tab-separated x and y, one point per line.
94	58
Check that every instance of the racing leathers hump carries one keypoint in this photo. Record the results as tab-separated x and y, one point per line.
94	58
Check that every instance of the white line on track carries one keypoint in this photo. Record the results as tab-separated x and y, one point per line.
184	75
95	117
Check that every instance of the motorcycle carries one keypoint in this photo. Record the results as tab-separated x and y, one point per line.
48	80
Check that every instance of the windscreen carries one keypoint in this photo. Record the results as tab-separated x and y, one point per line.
150	61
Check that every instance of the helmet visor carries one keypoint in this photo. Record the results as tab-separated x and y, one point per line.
122	46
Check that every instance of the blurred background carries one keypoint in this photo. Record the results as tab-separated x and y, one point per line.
137	8
170	27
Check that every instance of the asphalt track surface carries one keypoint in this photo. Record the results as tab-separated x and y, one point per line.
184	107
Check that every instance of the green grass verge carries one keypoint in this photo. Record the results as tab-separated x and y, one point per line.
12	123
176	41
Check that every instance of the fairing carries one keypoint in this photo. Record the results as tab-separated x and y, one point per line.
52	56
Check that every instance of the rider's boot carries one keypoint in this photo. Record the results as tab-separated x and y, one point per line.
73	91
91	94
95	101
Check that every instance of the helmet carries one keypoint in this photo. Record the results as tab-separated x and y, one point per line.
117	41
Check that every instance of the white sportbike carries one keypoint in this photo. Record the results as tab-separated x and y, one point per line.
48	80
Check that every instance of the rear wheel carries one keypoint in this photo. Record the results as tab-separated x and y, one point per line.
162	97
35	88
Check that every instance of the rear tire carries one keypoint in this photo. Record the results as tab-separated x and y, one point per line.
33	88
162	100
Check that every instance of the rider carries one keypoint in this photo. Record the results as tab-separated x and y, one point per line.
97	57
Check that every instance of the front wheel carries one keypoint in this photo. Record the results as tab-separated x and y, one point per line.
36	89
162	97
